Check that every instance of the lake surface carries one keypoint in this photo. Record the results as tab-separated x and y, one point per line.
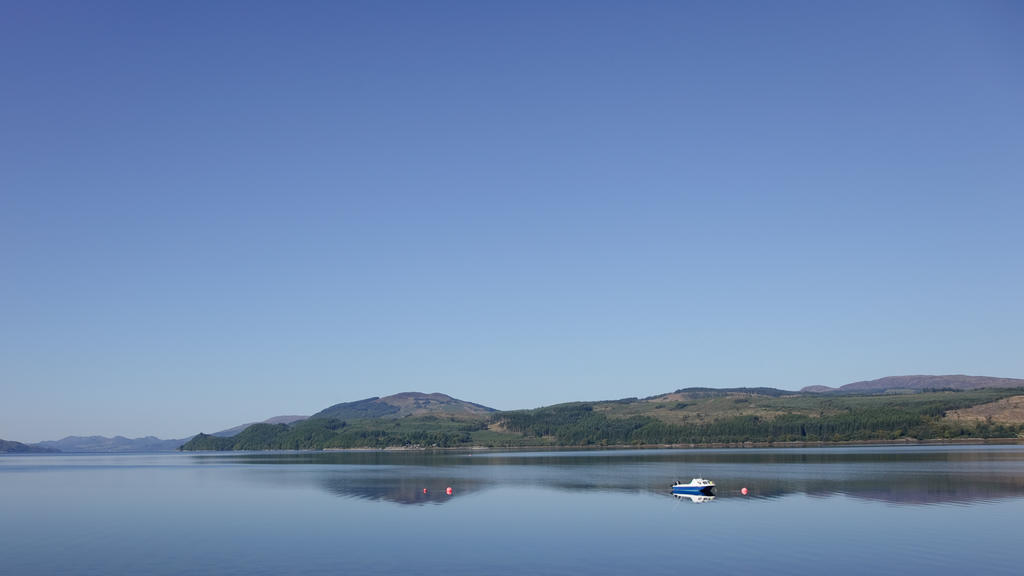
864	510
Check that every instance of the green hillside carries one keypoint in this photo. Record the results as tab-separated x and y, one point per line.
696	416
328	433
702	416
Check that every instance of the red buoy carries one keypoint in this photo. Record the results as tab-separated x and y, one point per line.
743	491
448	491
424	490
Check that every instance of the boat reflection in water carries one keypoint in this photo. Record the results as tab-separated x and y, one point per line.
695	498
903	475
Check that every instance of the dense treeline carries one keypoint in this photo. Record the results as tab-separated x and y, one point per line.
321	433
574	425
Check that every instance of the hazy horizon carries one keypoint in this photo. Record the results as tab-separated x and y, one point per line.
218	213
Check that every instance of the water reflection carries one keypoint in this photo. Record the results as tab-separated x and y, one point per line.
895	475
400	489
910	489
695	498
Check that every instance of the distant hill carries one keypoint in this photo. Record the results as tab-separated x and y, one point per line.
922	382
402	405
144	444
12	447
115	444
275	420
405	419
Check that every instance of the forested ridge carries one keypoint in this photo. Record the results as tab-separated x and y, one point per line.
685	417
327	433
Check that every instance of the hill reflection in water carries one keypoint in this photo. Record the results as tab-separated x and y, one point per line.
896	475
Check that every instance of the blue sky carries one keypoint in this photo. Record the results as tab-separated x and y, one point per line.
212	213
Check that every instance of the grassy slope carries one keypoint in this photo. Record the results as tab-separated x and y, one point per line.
1003	411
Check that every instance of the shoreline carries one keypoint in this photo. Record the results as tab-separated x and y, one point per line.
709	446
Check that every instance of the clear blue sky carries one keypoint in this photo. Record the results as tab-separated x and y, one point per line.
217	212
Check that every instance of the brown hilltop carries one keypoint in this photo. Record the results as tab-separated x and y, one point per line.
418	403
404	404
1004	411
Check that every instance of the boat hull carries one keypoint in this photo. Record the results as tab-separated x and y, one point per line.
694	490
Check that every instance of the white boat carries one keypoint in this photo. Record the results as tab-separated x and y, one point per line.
695	486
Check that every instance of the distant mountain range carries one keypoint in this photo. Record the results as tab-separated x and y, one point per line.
12	447
146	444
439	419
921	382
115	444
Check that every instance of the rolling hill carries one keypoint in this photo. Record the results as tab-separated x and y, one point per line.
405	419
921	382
403	405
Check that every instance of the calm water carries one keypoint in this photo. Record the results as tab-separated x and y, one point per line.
866	510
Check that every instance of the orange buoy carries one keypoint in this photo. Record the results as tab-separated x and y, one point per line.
743	491
448	491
